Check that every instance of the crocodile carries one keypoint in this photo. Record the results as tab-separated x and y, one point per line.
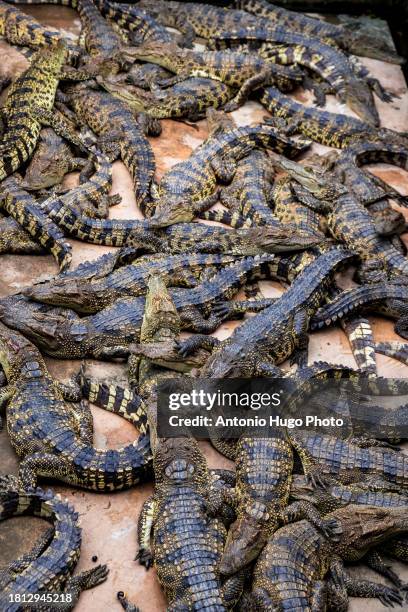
271	336
324	456
50	571
51	161
350	223
29	99
188	99
280	581
23	30
86	295
60	332
15	239
367	297
250	190
278	44
196	19
350	41
240	71
396	350
113	121
57	437
195	179
324	127
22	207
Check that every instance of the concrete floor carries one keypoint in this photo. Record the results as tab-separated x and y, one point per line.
109	520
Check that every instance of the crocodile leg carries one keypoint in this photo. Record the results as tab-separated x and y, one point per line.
300	510
125	603
318	601
225	447
86	424
246	88
232	589
377	563
42	464
194	343
144	532
81	582
59	124
365	588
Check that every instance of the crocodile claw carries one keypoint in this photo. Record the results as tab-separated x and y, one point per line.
390	596
145	558
332	530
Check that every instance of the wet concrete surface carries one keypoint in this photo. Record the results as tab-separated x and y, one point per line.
109	520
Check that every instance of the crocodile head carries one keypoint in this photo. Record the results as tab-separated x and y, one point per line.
271	239
49	164
370	45
177	461
312	178
359	98
245	540
166	54
367	526
52	58
172	212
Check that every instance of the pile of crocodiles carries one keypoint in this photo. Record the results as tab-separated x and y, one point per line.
251	204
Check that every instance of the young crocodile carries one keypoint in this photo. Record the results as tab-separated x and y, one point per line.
22	207
280	582
29	100
23	30
56	439
271	336
60	332
15	239
51	161
115	124
86	295
331	129
240	71
49	567
195	179
351	41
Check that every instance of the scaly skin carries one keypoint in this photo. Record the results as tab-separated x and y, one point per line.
34	89
189	99
353	300
62	333
14	239
289	210
195	179
23	30
90	198
331	129
51	161
23	208
327	456
353	42
350	223
250	190
51	571
138	22
240	71
56	440
90	296
113	120
273	335
281	583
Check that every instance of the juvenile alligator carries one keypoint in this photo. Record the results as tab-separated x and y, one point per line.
351	41
23	208
51	161
54	438
60	332
29	100
49	571
195	179
189	99
15	239
281	582
115	124
23	30
270	337
240	71
86	295
331	129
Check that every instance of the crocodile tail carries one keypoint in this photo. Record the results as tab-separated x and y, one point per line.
396	350
233	219
116	399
